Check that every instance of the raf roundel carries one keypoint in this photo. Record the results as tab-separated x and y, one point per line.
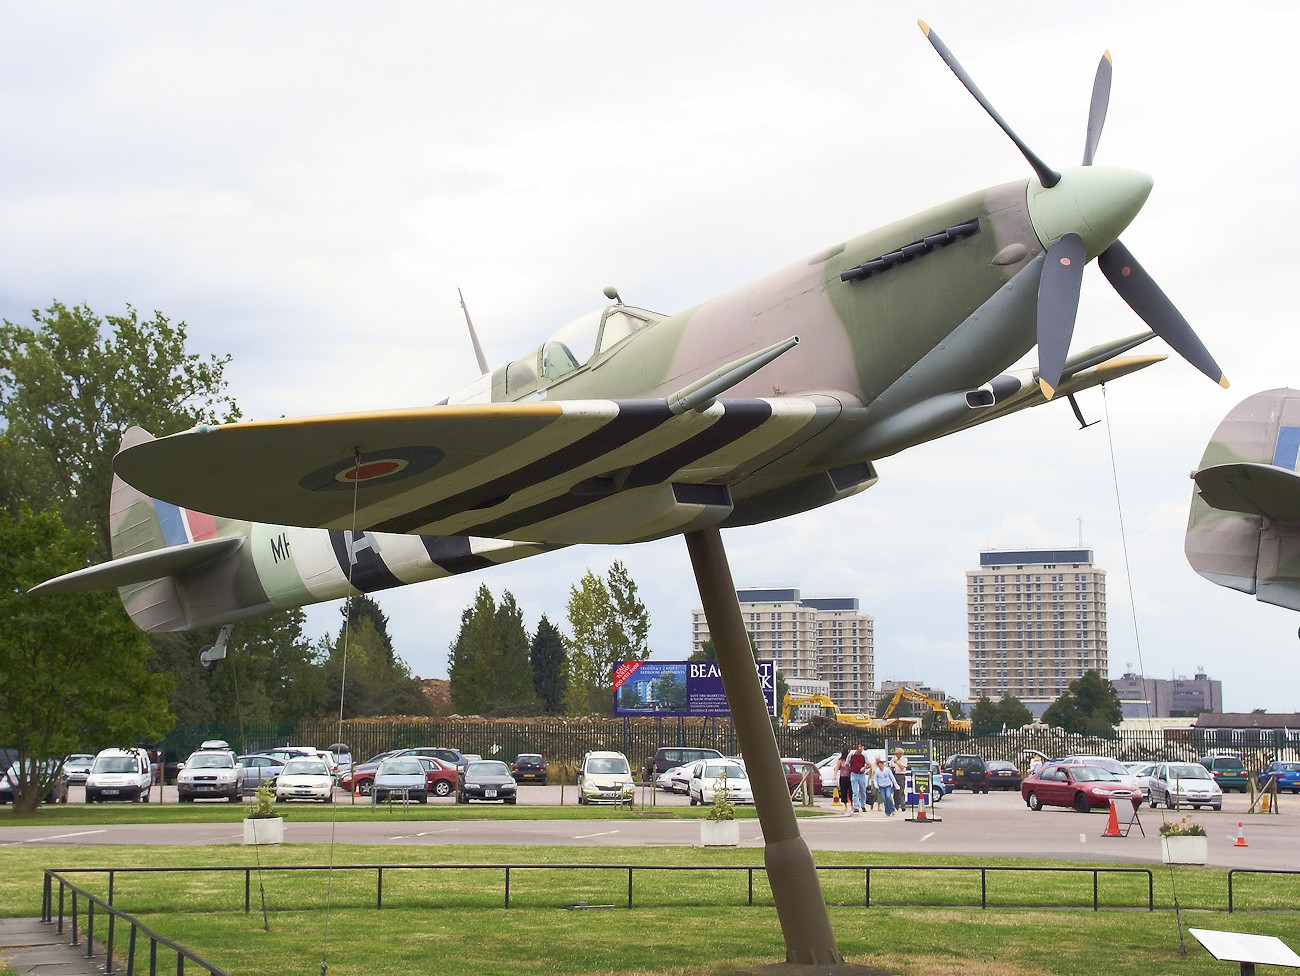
374	467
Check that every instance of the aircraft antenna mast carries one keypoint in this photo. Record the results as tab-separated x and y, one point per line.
473	337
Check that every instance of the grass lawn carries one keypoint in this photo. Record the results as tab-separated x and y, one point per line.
683	922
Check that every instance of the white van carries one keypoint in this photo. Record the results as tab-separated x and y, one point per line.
119	774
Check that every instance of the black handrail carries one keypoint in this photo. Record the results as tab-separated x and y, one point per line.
1233	871
155	940
379	869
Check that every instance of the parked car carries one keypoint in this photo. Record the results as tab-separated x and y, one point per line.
708	776
401	777
1228	771
1141	773
1287	775
670	756
529	767
1002	775
605	777
211	774
940	782
799	770
1113	766
360	777
77	766
1184	784
969	772
1077	786
119	774
440	777
258	769
342	756
305	779
488	780
668	779
57	793
446	754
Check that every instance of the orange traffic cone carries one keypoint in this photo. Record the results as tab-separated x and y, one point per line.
920	809
1112	828
1241	836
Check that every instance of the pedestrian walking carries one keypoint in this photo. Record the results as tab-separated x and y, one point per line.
842	774
898	766
858	780
884	781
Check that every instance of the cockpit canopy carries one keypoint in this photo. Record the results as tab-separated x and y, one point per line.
576	344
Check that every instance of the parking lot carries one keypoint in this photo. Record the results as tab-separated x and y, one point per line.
983	826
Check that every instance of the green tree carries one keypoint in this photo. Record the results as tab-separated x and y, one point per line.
984	717
489	670
1013	711
608	623
363	671
1090	705
75	669
546	656
72	383
469	663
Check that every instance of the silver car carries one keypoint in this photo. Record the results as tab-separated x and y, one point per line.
1178	784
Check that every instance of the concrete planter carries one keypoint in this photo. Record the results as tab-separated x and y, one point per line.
719	833
1184	850
264	830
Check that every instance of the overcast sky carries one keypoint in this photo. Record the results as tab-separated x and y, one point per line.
307	184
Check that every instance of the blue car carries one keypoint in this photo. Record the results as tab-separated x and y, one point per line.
1287	775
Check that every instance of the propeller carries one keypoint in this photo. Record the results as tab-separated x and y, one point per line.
1062	278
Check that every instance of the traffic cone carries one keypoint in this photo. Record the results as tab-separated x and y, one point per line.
920	809
835	797
1112	828
1241	836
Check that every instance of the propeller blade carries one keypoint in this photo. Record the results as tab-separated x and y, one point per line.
1058	303
1046	175
1144	296
1097	110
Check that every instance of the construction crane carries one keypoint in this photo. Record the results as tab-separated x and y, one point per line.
793	699
940	719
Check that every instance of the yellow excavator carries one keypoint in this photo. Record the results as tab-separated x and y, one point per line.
832	711
939	719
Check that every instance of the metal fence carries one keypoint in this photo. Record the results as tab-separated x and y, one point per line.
630	870
67	891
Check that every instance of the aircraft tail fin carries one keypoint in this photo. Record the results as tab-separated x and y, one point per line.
1243	531
152	542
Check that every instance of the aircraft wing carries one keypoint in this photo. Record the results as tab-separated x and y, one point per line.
555	472
1252	489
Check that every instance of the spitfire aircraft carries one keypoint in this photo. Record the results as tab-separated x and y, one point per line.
1243	531
629	425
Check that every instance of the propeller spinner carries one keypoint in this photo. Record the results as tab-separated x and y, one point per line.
1078	214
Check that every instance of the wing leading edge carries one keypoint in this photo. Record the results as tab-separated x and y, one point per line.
557	473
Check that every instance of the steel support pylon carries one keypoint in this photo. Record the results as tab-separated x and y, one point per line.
800	906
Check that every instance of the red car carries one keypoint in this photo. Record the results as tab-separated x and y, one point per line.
1081	787
440	776
795	772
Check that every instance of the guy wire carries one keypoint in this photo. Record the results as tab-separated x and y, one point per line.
1137	639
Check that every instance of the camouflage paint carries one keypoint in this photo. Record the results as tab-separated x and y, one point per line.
1249	468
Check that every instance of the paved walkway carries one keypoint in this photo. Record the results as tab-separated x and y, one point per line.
28	946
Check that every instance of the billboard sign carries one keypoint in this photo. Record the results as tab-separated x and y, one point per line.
680	688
